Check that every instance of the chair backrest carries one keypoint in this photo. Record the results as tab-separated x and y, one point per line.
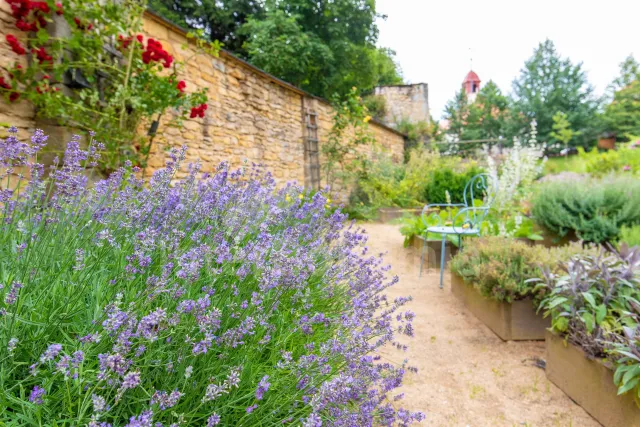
482	186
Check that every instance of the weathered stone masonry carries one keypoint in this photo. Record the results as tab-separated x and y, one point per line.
252	116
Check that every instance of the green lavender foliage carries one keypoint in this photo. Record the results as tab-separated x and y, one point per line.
594	210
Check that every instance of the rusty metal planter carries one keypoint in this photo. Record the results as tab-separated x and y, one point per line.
517	321
590	384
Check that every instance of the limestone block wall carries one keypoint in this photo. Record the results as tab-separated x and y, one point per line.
252	117
410	102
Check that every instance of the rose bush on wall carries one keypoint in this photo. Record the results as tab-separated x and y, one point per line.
214	301
90	68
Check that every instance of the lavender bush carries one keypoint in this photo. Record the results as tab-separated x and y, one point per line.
208	301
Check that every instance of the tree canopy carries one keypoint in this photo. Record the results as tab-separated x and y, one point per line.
549	83
325	47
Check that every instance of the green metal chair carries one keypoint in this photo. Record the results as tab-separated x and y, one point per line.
467	220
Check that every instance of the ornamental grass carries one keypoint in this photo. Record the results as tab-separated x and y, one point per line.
209	300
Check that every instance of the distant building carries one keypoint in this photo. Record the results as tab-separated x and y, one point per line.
405	102
471	85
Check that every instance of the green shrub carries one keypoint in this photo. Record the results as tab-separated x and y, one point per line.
626	159
448	180
594	210
500	267
630	235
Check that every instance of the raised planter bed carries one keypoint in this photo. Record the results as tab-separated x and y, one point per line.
590	384
517	321
390	214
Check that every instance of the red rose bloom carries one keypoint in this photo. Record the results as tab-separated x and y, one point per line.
59	10
15	44
156	53
198	111
181	86
42	55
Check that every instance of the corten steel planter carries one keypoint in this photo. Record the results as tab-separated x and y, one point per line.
390	214
517	321
590	384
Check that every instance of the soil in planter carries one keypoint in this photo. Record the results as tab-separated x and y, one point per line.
590	384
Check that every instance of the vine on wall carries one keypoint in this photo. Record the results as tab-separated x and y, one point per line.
89	68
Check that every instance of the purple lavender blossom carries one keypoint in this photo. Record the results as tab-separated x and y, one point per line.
251	408
263	387
12	295
131	380
213	420
36	395
145	419
51	353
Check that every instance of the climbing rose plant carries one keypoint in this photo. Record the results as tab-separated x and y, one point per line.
213	300
89	67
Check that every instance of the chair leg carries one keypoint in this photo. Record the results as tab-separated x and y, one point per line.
444	240
424	246
459	242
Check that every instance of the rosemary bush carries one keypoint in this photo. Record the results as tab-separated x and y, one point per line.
219	300
594	210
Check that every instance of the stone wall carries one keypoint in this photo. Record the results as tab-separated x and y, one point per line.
252	117
409	102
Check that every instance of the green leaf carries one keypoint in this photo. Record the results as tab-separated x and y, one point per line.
601	313
557	301
589	321
534	236
628	386
589	298
633	372
561	324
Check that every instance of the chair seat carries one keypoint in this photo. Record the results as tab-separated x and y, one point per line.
452	230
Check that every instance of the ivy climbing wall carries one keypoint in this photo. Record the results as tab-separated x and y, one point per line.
252	117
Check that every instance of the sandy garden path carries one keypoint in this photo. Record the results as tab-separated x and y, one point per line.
467	376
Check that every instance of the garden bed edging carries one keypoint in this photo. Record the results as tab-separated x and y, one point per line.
516	321
589	383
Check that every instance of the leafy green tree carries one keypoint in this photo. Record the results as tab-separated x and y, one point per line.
549	83
220	19
485	118
561	129
280	46
387	71
325	47
494	112
458	113
629	72
622	115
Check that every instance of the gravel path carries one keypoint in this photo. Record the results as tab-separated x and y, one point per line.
467	376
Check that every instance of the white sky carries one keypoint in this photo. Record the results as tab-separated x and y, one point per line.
432	38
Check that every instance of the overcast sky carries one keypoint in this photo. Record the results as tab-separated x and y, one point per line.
432	38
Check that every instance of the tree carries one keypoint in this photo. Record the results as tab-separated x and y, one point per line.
324	47
486	118
629	72
220	19
622	115
494	112
549	83
562	131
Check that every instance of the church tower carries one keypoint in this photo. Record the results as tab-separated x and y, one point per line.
471	85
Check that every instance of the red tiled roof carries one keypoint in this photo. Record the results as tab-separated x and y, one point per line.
471	77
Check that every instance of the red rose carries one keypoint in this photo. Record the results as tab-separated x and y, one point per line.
181	86
15	44
59	10
42	55
156	53
198	111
